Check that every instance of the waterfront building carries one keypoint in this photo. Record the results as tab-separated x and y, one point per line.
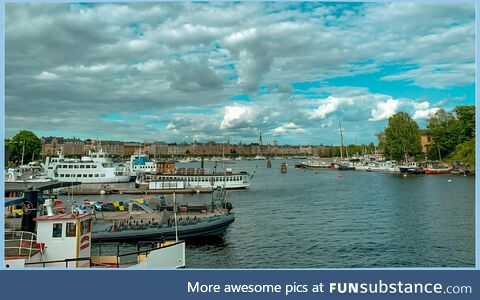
425	140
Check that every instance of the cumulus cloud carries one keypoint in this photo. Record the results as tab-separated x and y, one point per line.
185	61
287	128
384	110
237	116
424	113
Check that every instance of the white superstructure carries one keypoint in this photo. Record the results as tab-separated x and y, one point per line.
192	178
386	166
140	163
97	167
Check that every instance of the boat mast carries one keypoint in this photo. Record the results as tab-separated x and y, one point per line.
224	175
23	151
175	216
341	140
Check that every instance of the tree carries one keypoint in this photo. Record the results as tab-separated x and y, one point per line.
465	152
466	118
401	137
381	140
24	144
445	131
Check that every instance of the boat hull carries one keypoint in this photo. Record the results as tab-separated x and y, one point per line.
430	171
206	228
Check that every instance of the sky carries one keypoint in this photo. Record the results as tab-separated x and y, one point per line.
227	71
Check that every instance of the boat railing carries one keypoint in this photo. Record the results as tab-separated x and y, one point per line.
66	261
22	243
131	258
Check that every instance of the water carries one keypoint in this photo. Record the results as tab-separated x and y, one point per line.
316	219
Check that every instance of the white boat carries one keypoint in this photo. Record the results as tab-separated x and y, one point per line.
169	177
314	163
259	157
389	166
97	167
194	178
140	163
19	175
65	241
365	167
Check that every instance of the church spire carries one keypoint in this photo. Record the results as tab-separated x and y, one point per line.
260	141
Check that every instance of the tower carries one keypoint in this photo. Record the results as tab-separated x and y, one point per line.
260	141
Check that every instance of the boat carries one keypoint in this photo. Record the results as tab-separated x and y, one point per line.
139	222
389	166
437	169
364	166
65	241
259	157
97	168
346	167
170	177
411	168
313	163
140	163
25	174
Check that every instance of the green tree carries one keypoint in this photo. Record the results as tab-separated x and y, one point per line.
466	118
401	137
445	131
381	140
465	152
24	144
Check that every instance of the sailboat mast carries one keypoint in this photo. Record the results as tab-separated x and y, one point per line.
341	140
175	216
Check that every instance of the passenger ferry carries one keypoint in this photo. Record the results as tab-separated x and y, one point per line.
192	178
97	168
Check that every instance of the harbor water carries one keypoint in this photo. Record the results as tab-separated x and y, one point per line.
331	219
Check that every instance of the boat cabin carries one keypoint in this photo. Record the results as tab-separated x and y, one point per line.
67	236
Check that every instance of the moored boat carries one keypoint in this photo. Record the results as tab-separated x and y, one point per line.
169	177
97	168
65	241
438	170
411	168
137	221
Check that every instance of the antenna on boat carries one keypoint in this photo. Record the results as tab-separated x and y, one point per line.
175	216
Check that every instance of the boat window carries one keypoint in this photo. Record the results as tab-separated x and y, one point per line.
87	166
94	166
85	227
61	175
57	230
90	175
67	175
82	166
102	175
70	166
84	175
71	230
76	166
96	175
